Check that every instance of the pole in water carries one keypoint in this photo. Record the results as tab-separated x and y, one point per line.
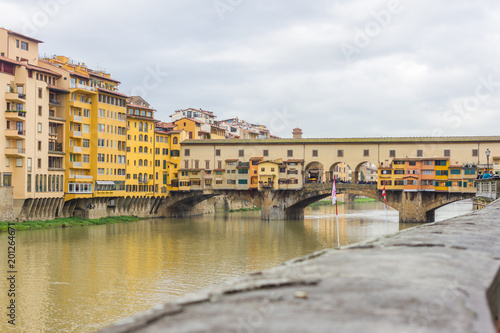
338	231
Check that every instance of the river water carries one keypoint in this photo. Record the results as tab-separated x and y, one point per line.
84	278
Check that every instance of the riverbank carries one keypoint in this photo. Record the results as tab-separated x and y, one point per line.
66	222
329	202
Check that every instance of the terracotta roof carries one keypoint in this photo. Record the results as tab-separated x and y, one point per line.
11	61
58	89
191	119
112	92
10	32
41	69
140	107
78	74
103	77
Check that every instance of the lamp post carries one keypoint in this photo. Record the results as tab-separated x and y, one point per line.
488	160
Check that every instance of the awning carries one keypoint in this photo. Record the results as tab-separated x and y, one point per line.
104	182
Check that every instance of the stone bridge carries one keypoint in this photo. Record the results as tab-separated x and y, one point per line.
413	207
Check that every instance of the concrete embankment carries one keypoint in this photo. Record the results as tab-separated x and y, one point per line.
440	277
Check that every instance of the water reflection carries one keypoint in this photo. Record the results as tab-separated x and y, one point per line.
83	278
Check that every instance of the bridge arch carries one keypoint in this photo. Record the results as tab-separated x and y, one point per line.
362	170
314	172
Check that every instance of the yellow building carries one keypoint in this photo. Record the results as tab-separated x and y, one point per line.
95	131
32	140
268	174
142	149
442	174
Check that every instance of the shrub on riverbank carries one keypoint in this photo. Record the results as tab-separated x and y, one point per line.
244	210
67	222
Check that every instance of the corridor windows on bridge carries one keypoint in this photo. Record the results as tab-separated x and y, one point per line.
187	152
366	153
241	153
399	172
289	153
387	172
217	152
392	153
340	153
196	164
447	153
315	153
186	164
420	153
265	153
475	152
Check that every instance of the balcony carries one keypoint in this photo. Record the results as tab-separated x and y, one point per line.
15	115
75	149
15	97
82	177
54	116
15	134
56	148
77	134
15	152
77	119
81	86
76	164
55	102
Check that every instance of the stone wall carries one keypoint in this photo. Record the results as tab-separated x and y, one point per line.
6	203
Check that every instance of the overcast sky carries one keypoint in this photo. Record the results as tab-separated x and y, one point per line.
335	68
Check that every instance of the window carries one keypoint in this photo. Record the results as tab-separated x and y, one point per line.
440	162
207	165
7	162
39	110
427	162
186	164
315	153
39	145
265	153
420	153
289	153
187	152
196	164
427	172
39	163
340	153
24	46
241	153
7	179
446	152
39	92
474	152
39	127
85	128
86	143
28	184
242	181
19	162
455	172
217	152
366	153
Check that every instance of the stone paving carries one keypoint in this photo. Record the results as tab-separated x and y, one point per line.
440	277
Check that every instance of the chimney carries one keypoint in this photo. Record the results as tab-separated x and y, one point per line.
297	133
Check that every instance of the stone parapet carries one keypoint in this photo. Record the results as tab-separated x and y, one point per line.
440	277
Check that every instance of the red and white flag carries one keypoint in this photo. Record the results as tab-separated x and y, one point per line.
334	192
384	195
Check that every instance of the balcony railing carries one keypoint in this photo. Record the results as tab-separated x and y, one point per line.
81	86
55	102
20	113
9	131
77	164
77	133
23	96
55	147
82	177
266	184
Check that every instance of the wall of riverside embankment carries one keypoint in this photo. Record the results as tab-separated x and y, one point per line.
440	277
6	203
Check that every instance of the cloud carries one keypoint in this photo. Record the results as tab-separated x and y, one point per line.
265	57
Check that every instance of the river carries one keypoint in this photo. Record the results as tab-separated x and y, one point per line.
84	278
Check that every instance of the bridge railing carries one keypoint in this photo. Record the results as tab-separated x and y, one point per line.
488	188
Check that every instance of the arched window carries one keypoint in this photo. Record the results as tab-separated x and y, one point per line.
140	149
140	137
146	138
175	141
140	177
145	149
140	126
145	162
145	178
145	127
140	162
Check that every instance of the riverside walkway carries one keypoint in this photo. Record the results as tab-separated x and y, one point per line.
440	277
